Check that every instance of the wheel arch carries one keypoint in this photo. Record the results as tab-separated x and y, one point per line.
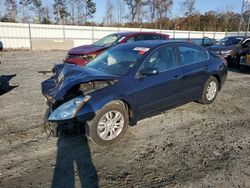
127	105
217	76
97	105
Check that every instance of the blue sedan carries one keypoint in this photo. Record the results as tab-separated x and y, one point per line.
130	82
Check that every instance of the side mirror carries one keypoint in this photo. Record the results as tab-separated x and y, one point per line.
149	71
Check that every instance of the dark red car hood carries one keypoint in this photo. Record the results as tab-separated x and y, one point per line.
86	49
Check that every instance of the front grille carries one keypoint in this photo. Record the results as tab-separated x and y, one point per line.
74	56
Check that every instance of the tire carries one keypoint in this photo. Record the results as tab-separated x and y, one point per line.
55	130
104	125
52	129
1	46
210	91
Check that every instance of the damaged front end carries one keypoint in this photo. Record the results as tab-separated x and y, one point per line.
68	91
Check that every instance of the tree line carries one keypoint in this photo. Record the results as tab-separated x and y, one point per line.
155	14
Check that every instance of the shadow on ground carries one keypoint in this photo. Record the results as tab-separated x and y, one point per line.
74	161
5	85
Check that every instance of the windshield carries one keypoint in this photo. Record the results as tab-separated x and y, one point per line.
117	61
229	41
108	40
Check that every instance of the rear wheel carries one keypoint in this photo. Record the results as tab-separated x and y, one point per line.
109	124
210	91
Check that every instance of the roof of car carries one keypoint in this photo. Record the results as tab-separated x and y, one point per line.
138	32
152	43
243	37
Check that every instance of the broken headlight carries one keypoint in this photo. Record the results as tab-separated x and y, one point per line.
69	109
95	85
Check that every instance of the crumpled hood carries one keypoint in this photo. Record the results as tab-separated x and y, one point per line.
67	76
85	50
218	48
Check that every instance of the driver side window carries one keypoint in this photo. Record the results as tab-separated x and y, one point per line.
163	59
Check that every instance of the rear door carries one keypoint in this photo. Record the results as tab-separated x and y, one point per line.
194	68
158	91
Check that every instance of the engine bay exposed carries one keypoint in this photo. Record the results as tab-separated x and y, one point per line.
89	87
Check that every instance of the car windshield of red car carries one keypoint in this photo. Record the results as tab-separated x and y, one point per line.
108	40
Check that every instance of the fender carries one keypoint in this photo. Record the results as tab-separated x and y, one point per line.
93	105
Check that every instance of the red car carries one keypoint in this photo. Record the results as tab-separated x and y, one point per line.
83	54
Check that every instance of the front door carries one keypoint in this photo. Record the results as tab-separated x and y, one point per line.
158	91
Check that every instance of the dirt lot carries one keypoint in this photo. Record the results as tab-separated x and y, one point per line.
189	146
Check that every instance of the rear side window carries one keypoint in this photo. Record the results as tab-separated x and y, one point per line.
135	38
190	55
161	37
150	37
143	37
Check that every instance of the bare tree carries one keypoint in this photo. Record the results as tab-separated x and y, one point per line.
121	11
46	15
11	11
90	9
38	9
24	14
152	10
31	9
188	9
79	11
60	11
163	7
109	13
134	7
159	9
72	9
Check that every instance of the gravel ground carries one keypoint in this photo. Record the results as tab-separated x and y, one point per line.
190	146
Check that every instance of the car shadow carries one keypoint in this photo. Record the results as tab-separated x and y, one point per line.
74	160
5	85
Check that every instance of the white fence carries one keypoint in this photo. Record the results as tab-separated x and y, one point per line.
17	35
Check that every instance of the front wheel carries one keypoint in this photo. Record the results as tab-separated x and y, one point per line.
109	124
210	91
